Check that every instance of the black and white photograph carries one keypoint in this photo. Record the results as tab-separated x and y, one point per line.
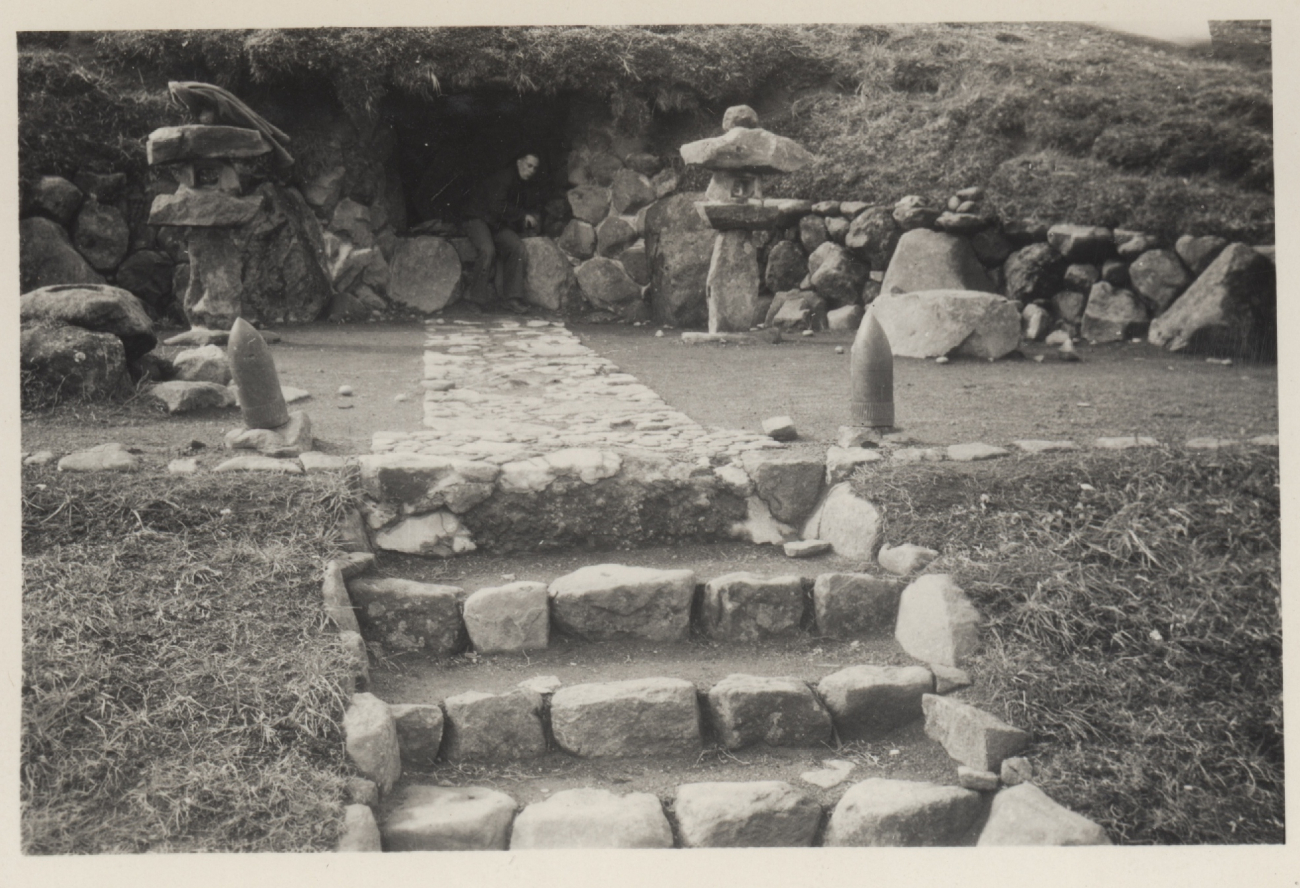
534	433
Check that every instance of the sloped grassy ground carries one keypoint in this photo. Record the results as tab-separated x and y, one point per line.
1133	616
1061	121
180	692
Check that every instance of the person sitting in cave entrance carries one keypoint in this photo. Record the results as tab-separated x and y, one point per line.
500	209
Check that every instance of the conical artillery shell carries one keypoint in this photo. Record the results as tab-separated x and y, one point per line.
871	369
260	398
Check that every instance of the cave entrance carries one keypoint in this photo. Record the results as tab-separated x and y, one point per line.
445	145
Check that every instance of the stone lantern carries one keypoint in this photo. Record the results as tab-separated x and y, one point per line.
741	159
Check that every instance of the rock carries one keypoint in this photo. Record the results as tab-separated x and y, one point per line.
425	274
837	229
1199	252
1039	446
56	198
873	235
755	814
786	267
590	203
1016	770
949	678
733	282
448	818
1034	321
103	187
289	439
549	281
649	716
494	727
47	257
509	618
39	458
974	452
592	818
409	616
1025	815
747	607
204	364
850	604
931	260
204	141
846	521
630	191
184	397
1081	243
991	247
1159	277
905	559
806	548
419	732
578	239
846	317
836	275
644	163
835	772
353	219
1131	244
148	274
969	735
613	236
421	483
1081	276
739	115
313	462
1034	273
812	233
356	658
71	363
334	596
360	831
892	813
679	245
636	263
203	208
938	322
961	222
780	428
1230	308
259	464
760	527
979	781
912	212
750	149
1113	315
111	457
788	484
606	285
611	601
101	235
1124	442
1115	271
867	702
1023	232
361	791
937	622
371	740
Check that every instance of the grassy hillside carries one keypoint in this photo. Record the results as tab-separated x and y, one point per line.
1059	121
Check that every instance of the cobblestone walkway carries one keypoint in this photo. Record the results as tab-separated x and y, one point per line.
505	390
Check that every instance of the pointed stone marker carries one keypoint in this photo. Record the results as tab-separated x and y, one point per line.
260	398
871	369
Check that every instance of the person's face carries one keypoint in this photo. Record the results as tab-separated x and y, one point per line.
527	166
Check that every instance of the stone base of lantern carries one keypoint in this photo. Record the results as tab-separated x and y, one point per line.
291	439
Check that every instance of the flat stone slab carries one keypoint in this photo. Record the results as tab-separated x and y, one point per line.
894	813
806	548
612	600
1025	815
758	814
1124	442
514	617
1036	445
447	818
593	818
111	457
972	736
409	616
260	464
749	709
744	606
975	451
494	727
649	716
867	702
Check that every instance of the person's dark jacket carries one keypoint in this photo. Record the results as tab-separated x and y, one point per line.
502	200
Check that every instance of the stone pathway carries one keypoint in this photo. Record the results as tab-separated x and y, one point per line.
506	390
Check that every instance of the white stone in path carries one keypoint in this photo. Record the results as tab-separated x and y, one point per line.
419	731
974	451
846	521
45	457
188	466
849	604
111	457
749	709
937	622
409	616
905	559
1025	815
370	738
514	617
650	716
757	814
1034	445
894	813
439	534
1125	442
744	606
360	831
833	773
593	818
612	600
868	702
448	818
494	727
970	735
806	548
260	464
313	462
1211	443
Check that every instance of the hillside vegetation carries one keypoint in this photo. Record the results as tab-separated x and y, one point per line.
1059	121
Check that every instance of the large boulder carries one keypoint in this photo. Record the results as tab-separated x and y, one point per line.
614	235
1231	308
867	702
744	606
62	363
679	246
649	716
873	235
96	307
836	275
425	274
207	363
590	203
931	260
733	282
1113	314
757	814
750	149
1159	277
931	323
630	191
611	601
1199	252
881	812
148	274
606	285
46	257
101	235
407	615
549	281
578	239
786	267
1034	272
56	198
937	623
592	818
749	709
